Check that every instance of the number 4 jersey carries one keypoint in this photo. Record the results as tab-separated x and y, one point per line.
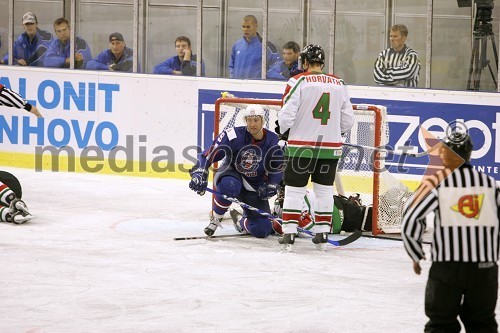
317	110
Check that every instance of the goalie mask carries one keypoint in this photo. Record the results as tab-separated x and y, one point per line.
313	54
460	143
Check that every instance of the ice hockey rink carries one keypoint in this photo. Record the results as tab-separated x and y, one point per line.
100	257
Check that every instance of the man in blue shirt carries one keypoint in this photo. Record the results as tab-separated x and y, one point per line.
118	57
284	70
184	63
59	50
246	54
31	46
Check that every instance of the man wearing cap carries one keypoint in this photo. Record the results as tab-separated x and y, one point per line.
59	50
118	57
31	46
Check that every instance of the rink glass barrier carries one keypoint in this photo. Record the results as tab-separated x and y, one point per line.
352	37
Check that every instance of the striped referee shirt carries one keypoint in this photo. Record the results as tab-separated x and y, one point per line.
397	68
466	223
12	99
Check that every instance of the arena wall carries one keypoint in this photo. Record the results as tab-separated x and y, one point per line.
150	125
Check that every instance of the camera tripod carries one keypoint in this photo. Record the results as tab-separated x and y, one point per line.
479	60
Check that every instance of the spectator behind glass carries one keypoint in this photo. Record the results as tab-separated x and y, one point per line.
284	70
118	57
59	50
397	65
31	46
184	63
246	54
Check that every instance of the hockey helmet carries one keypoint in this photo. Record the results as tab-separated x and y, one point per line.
460	143
313	54
254	110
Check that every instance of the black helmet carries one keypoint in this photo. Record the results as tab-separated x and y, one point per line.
460	143
313	53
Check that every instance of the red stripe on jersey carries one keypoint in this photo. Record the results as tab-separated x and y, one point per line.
3	187
291	217
315	143
323	218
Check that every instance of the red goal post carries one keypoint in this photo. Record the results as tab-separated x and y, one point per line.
361	170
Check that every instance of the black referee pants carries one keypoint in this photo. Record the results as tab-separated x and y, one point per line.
468	290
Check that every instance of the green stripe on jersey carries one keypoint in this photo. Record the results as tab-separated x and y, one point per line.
292	211
294	87
308	152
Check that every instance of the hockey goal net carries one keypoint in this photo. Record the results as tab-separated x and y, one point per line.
361	169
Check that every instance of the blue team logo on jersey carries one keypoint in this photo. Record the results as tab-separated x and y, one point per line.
249	163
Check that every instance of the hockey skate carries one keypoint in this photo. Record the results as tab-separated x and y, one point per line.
213	225
320	239
287	241
236	217
19	212
20	217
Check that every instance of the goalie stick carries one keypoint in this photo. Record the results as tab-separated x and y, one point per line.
392	151
349	239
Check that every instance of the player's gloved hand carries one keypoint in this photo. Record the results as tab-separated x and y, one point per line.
266	191
277	129
199	181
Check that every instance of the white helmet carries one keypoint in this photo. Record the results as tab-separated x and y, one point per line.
254	110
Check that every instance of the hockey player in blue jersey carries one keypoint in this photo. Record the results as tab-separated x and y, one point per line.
251	172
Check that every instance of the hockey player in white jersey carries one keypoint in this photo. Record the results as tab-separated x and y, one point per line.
316	111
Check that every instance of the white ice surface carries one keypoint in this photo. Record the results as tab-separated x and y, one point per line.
100	257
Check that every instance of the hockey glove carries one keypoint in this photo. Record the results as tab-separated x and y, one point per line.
199	181
277	129
266	191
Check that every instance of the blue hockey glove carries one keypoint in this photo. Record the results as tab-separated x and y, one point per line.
199	181
266	191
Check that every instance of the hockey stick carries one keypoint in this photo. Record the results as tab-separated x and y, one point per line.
349	239
210	237
381	236
395	152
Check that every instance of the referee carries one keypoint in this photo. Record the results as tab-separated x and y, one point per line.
14	100
463	278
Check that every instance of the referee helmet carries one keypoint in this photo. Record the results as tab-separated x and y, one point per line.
460	143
